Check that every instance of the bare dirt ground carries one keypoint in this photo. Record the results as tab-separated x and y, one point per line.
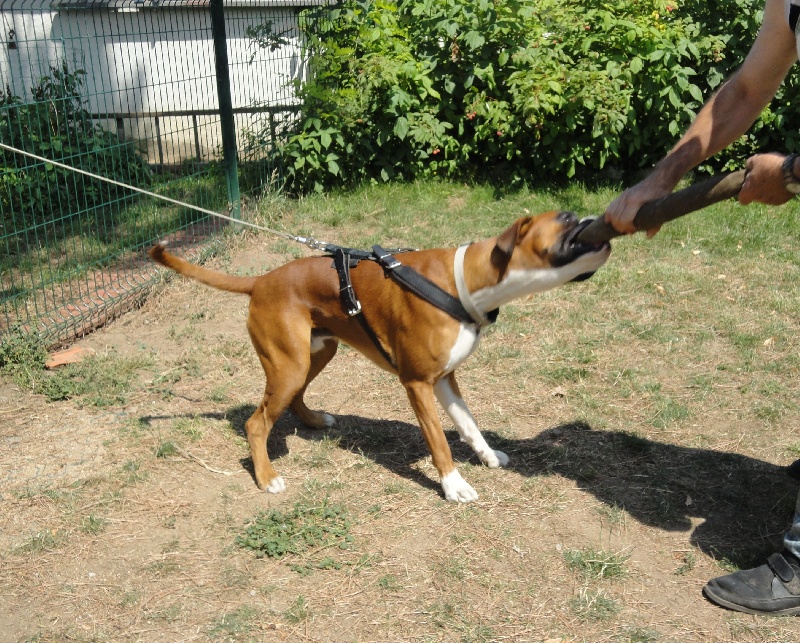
106	535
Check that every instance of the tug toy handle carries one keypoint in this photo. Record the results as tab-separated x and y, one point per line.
655	213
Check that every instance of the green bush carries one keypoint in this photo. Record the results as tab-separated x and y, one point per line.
56	125
514	90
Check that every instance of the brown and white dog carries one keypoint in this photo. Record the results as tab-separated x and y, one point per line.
296	321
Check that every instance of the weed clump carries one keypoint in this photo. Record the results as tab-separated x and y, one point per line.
596	564
306	526
22	356
98	381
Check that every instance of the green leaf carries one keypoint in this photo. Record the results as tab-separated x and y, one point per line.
636	64
556	87
474	40
325	139
401	127
673	97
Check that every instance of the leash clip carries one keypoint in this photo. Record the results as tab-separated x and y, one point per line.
312	243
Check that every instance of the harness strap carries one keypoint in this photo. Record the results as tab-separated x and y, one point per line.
350	303
342	258
371	334
422	286
352	253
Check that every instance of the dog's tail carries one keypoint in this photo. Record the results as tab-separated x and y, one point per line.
219	280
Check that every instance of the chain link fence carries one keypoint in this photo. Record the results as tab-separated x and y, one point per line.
182	98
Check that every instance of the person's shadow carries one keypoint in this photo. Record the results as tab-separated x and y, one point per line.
745	503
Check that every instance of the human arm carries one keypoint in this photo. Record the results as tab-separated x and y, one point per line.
727	115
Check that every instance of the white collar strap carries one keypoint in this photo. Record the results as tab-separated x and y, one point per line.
464	295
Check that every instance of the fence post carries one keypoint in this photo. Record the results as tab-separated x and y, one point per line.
225	107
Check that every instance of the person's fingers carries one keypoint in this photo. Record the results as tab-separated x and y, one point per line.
745	197
652	232
620	215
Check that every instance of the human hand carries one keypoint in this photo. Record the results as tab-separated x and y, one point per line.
621	212
763	180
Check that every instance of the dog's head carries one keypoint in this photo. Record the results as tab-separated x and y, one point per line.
548	242
539	253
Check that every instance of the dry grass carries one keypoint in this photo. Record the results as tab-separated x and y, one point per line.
647	412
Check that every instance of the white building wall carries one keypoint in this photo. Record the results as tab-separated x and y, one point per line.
153	60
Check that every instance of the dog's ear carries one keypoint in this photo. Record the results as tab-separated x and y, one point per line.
507	241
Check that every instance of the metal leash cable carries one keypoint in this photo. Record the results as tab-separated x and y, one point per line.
311	242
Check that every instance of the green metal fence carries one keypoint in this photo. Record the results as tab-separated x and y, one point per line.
164	95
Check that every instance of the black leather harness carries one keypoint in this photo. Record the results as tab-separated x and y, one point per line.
346	258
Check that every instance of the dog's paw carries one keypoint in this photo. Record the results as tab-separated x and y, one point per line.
494	459
276	485
318	420
456	489
323	421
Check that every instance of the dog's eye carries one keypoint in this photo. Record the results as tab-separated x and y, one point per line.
566	217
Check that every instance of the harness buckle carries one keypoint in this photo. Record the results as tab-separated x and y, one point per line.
348	295
384	257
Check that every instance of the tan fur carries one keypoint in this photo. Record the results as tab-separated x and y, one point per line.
302	296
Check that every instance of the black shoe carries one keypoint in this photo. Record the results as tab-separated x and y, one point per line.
794	470
773	588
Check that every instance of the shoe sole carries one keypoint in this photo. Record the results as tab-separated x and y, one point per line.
718	600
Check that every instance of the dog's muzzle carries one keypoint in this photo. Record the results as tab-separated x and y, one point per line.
570	248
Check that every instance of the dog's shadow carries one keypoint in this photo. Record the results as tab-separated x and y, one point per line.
736	507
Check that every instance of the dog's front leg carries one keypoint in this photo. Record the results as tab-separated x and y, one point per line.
422	401
449	397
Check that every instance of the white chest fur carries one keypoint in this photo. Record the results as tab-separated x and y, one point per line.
467	341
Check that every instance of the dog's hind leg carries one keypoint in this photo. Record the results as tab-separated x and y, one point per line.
258	428
325	350
449	396
284	355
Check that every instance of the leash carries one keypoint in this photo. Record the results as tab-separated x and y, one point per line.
311	242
